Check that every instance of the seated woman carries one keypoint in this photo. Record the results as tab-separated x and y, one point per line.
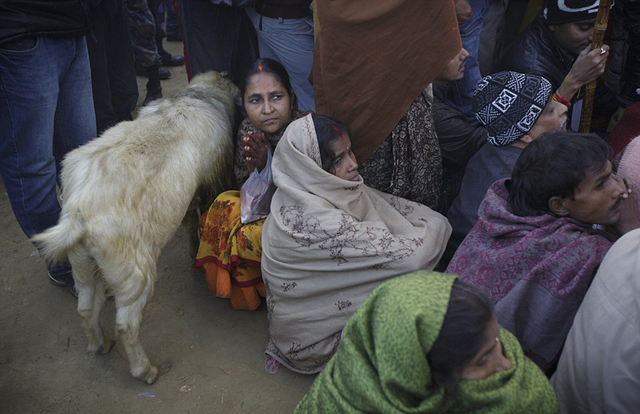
229	251
428	343
330	240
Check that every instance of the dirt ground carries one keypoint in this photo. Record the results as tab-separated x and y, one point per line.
217	353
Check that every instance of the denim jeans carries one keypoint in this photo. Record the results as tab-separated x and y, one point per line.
290	42
46	110
461	91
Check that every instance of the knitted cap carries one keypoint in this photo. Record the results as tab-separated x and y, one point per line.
567	11
509	103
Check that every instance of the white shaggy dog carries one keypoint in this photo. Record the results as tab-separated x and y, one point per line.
125	194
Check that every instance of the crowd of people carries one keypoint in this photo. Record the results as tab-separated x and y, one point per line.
440	237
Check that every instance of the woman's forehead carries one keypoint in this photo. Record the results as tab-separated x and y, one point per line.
264	80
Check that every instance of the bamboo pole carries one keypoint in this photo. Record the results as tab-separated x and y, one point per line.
602	19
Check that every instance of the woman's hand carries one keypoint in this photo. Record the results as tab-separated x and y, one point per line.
255	150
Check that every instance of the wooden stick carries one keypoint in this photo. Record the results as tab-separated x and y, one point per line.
599	28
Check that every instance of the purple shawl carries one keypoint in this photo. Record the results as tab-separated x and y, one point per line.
536	269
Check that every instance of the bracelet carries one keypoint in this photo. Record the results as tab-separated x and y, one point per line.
562	99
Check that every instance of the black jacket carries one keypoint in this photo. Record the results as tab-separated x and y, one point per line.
458	140
536	52
31	18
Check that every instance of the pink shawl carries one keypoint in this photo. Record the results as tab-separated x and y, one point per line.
536	269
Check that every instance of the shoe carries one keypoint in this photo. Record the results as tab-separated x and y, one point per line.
168	60
163	73
152	96
63	279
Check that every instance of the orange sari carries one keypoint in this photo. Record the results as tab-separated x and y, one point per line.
230	252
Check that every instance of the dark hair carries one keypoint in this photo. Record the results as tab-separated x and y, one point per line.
327	131
266	65
462	335
553	165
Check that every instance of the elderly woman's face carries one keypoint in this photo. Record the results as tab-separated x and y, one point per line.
267	103
344	164
490	358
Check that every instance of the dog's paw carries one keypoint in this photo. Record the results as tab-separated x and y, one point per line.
98	348
152	375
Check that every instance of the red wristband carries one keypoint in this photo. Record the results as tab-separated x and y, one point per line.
562	99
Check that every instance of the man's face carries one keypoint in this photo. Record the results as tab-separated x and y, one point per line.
575	36
597	198
553	118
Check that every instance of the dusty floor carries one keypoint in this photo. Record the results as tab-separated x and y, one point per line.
217	353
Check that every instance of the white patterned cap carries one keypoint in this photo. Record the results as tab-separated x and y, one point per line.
508	104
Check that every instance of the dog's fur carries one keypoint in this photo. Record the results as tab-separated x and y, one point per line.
125	194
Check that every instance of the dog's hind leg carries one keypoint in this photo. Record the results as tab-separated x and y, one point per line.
91	300
130	304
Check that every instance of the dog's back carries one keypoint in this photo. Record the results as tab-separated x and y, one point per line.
135	182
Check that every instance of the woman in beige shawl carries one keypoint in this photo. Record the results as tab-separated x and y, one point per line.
330	240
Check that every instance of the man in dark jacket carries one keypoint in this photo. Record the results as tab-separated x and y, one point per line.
556	46
458	140
46	106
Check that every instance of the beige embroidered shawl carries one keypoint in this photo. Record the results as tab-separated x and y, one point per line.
327	244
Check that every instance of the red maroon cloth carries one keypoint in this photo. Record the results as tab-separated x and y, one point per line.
626	129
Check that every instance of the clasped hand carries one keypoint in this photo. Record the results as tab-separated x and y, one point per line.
255	150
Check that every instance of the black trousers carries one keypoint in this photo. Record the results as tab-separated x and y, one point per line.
219	38
113	77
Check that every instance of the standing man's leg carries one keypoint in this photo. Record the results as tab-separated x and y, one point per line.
143	37
41	121
290	42
158	9
115	90
217	38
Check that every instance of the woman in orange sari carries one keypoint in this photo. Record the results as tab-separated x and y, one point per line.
229	252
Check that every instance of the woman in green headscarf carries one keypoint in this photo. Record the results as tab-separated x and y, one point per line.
428	343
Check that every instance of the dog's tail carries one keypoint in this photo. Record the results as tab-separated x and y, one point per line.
56	242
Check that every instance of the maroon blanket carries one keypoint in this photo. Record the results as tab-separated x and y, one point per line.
536	269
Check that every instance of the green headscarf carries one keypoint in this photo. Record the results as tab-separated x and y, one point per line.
381	364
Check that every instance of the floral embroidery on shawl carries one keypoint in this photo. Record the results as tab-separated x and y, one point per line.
374	241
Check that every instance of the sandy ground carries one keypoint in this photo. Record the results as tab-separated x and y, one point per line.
217	353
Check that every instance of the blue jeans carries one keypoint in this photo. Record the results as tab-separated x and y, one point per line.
290	42
461	92
46	110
